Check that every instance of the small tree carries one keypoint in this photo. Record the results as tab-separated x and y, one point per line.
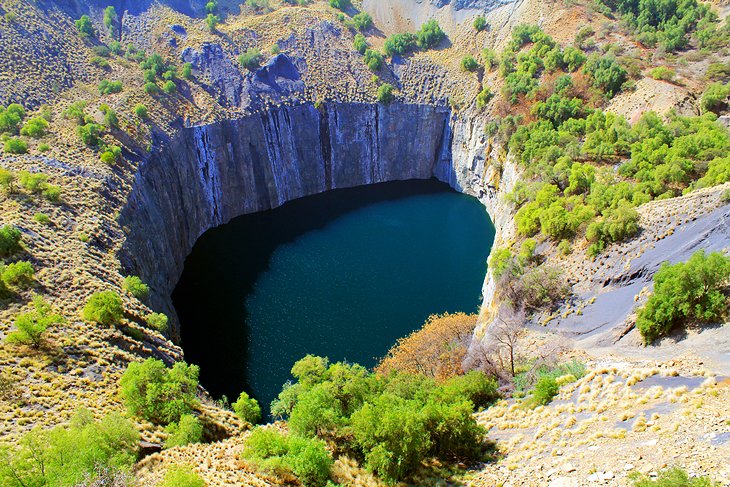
9	241
360	43
135	286
187	71
480	23
19	274
36	127
7	180
373	59
151	88
247	408
32	326
158	394
85	27
250	59
429	35
169	87
90	133
110	19
385	93
211	22
141	111
362	21
15	145
104	307
468	63
187	430
157	321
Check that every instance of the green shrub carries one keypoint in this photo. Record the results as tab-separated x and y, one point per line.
141	111
247	408
399	44
373	59
169	87
211	22
90	133
671	477
429	35
362	21
187	72
35	127
695	290
250	59
339	4
7	180
385	93
42	218
545	390
177	476
484	97
151	88
157	393
85	452
85	27
43	147
9	241
52	193
107	87
19	274
480	23
715	97
33	182
662	73
75	112
15	145
110	19
187	430
157	321
111	154
111	120
606	73
306	458
360	44
104	307
468	63
31	326
134	286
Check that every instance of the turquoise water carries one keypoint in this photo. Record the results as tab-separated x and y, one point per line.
343	274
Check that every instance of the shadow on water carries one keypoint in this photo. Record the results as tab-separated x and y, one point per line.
246	313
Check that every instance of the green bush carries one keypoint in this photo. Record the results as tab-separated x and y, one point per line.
110	19
151	88
134	286
362	21
11	117
9	241
82	453
385	93
52	193
85	27
696	290
43	147
662	73
211	22
107	87
247	408
36	127
306	458
157	321
373	59
393	422
19	274
32	326
484	97
399	44
104	307
606	73
545	390
468	63
15	145
169	87
42	218
187	72
111	154
480	23
90	133
75	112
715	97
177	476
141	111
429	35
7	180
339	4
157	393
671	477
33	182
250	59
360	44
187	430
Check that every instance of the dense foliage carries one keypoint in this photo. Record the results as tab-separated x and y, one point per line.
692	291
70	455
392	422
157	393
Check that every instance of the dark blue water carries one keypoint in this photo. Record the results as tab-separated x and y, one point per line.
343	274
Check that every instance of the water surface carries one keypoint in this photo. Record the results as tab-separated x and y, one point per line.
343	274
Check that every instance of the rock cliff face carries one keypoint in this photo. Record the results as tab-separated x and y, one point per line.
208	175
